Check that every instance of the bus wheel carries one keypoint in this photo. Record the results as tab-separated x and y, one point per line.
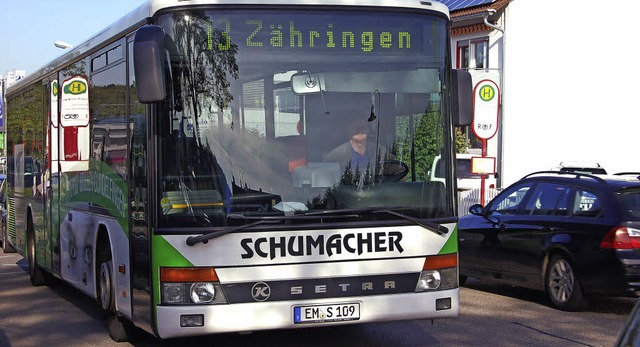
36	274
120	329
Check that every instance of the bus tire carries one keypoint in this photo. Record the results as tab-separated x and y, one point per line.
120	329
37	276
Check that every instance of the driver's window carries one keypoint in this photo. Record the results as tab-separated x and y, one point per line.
511	201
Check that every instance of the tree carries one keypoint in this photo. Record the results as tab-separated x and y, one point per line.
462	142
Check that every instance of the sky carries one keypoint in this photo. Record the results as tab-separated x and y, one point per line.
28	28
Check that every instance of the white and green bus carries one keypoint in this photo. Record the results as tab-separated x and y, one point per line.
174	166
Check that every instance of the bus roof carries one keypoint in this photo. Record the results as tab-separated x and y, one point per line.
140	15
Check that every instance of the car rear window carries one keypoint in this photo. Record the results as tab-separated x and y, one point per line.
586	204
629	201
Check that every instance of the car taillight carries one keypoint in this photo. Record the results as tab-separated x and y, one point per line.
621	238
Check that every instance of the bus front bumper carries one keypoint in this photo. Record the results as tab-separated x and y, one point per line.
247	317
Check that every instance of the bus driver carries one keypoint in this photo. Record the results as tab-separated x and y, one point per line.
355	151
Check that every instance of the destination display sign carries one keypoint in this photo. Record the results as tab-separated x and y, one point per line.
338	33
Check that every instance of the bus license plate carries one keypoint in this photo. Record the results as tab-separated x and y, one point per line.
326	313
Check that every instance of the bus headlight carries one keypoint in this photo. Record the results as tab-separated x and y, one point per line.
437	280
439	272
428	280
191	293
172	293
184	286
202	293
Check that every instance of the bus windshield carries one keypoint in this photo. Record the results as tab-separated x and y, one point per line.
284	113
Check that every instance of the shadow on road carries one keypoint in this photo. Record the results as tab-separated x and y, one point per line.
597	304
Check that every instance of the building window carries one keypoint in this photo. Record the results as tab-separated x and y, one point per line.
480	54
463	55
473	54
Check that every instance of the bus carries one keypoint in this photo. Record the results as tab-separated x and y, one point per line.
183	181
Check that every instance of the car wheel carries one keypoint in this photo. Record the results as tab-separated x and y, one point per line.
563	285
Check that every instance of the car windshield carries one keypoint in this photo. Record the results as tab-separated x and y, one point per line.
268	109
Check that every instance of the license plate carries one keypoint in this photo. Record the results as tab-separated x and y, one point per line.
326	313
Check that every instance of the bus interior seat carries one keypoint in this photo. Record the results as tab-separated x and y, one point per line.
293	149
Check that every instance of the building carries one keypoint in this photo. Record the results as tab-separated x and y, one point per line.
564	95
14	76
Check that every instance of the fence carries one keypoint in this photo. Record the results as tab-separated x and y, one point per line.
467	198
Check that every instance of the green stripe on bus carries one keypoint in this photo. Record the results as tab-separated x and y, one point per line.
164	254
451	246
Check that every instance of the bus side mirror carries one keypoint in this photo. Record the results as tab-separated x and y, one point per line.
462	97
148	58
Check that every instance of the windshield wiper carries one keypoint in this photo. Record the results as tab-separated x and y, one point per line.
328	214
192	240
436	228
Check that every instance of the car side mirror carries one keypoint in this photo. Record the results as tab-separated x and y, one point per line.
476	209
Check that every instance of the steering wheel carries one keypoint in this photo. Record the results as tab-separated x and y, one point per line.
393	170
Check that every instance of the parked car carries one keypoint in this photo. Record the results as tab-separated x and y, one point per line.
570	234
580	166
466	180
3	215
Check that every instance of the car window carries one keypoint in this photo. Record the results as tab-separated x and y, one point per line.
548	199
510	201
586	203
463	169
629	204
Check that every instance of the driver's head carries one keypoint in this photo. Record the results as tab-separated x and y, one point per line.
358	132
358	127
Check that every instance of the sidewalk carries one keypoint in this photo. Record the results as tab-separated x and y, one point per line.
12	264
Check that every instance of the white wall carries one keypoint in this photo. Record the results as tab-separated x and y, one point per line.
571	85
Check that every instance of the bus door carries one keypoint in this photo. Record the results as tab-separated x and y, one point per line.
51	175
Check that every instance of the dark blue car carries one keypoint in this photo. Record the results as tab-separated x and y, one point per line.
572	235
3	215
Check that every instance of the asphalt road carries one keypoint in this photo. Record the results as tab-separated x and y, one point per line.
491	315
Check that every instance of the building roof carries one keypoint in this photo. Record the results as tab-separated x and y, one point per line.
454	5
470	19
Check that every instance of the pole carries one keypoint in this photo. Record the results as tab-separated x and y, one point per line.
482	176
